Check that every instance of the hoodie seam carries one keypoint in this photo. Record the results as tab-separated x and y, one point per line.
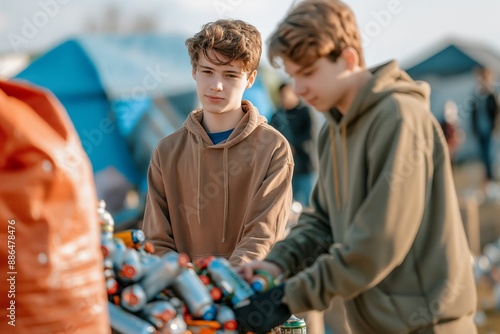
200	146
345	163
226	194
336	178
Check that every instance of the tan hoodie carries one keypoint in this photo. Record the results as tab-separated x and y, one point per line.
386	234
230	200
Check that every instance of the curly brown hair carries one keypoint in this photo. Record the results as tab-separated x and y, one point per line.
315	29
231	40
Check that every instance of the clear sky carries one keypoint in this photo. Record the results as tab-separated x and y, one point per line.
400	29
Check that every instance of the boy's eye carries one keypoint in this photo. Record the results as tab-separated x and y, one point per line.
307	72
231	75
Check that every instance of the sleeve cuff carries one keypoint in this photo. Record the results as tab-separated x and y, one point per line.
280	262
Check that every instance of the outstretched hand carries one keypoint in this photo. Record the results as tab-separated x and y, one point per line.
247	270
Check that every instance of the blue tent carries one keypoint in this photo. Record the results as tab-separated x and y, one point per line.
110	85
88	74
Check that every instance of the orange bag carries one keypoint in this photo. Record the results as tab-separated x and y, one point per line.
51	264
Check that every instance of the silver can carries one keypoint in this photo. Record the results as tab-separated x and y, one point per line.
162	275
195	294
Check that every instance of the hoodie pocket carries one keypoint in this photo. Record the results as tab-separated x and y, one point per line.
391	313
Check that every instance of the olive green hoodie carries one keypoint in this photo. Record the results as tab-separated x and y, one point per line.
229	200
386	232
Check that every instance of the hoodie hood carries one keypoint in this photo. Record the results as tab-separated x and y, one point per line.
250	121
387	79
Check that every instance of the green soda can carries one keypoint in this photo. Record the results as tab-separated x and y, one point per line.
293	325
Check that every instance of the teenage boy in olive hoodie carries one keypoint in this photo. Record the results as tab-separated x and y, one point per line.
386	233
221	185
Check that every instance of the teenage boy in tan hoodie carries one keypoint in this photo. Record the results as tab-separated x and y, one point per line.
221	184
386	233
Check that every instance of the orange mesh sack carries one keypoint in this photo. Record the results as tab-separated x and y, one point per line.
51	263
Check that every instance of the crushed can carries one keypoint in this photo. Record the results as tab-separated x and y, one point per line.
293	325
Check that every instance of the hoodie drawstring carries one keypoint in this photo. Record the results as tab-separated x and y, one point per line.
226	187
335	168
200	147
226	194
343	133
345	172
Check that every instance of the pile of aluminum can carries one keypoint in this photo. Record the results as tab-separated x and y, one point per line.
487	265
487	274
168	294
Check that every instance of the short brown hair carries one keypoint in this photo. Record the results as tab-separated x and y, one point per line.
315	29
232	39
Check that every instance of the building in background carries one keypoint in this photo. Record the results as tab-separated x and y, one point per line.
449	68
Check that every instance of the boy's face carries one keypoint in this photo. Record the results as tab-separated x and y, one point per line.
323	85
220	88
288	98
484	78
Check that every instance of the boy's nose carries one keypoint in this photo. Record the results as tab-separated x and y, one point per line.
216	86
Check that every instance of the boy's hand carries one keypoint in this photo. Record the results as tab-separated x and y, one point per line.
247	271
263	312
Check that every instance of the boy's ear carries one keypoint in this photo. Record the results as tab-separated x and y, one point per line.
351	57
251	78
194	73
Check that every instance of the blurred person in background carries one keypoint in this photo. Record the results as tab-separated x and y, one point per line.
484	112
451	127
51	268
293	119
